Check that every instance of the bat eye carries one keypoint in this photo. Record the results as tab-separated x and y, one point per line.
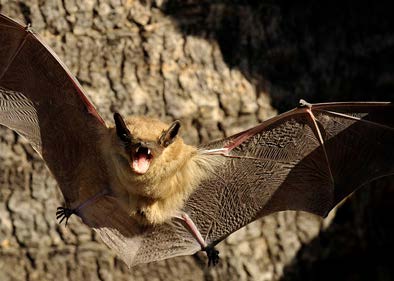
168	136
121	128
124	137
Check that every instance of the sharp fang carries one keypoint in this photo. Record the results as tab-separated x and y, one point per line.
148	151
136	150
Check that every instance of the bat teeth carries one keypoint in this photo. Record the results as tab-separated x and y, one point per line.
142	149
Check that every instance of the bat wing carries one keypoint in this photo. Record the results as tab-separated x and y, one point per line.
44	103
306	159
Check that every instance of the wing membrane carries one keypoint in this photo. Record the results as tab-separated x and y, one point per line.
307	159
43	102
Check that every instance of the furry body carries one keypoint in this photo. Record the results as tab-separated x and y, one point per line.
174	172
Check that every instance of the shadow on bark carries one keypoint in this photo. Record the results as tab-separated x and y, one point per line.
319	51
358	245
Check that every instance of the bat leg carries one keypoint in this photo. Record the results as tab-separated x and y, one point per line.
212	253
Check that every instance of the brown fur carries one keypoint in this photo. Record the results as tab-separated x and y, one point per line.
174	172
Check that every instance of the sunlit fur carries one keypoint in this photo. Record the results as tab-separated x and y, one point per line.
174	172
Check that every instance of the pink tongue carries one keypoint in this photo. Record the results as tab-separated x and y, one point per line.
141	164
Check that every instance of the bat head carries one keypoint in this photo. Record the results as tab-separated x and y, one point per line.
144	140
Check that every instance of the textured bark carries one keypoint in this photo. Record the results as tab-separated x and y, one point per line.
220	67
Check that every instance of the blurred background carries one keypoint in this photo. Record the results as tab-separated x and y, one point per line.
220	67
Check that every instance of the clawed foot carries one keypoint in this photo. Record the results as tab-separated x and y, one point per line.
64	213
213	255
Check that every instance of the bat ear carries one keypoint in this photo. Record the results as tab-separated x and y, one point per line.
121	128
168	136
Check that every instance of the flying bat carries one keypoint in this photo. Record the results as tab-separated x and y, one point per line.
148	194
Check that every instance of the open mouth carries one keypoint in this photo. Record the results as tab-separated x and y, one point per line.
141	157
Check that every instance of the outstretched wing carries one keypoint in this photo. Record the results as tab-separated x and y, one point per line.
44	103
306	159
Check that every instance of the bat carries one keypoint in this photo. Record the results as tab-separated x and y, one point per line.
148	194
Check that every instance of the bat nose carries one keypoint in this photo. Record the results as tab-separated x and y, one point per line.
142	143
143	146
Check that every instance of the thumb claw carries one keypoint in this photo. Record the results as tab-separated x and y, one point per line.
64	214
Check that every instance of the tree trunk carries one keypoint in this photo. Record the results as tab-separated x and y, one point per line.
220	67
